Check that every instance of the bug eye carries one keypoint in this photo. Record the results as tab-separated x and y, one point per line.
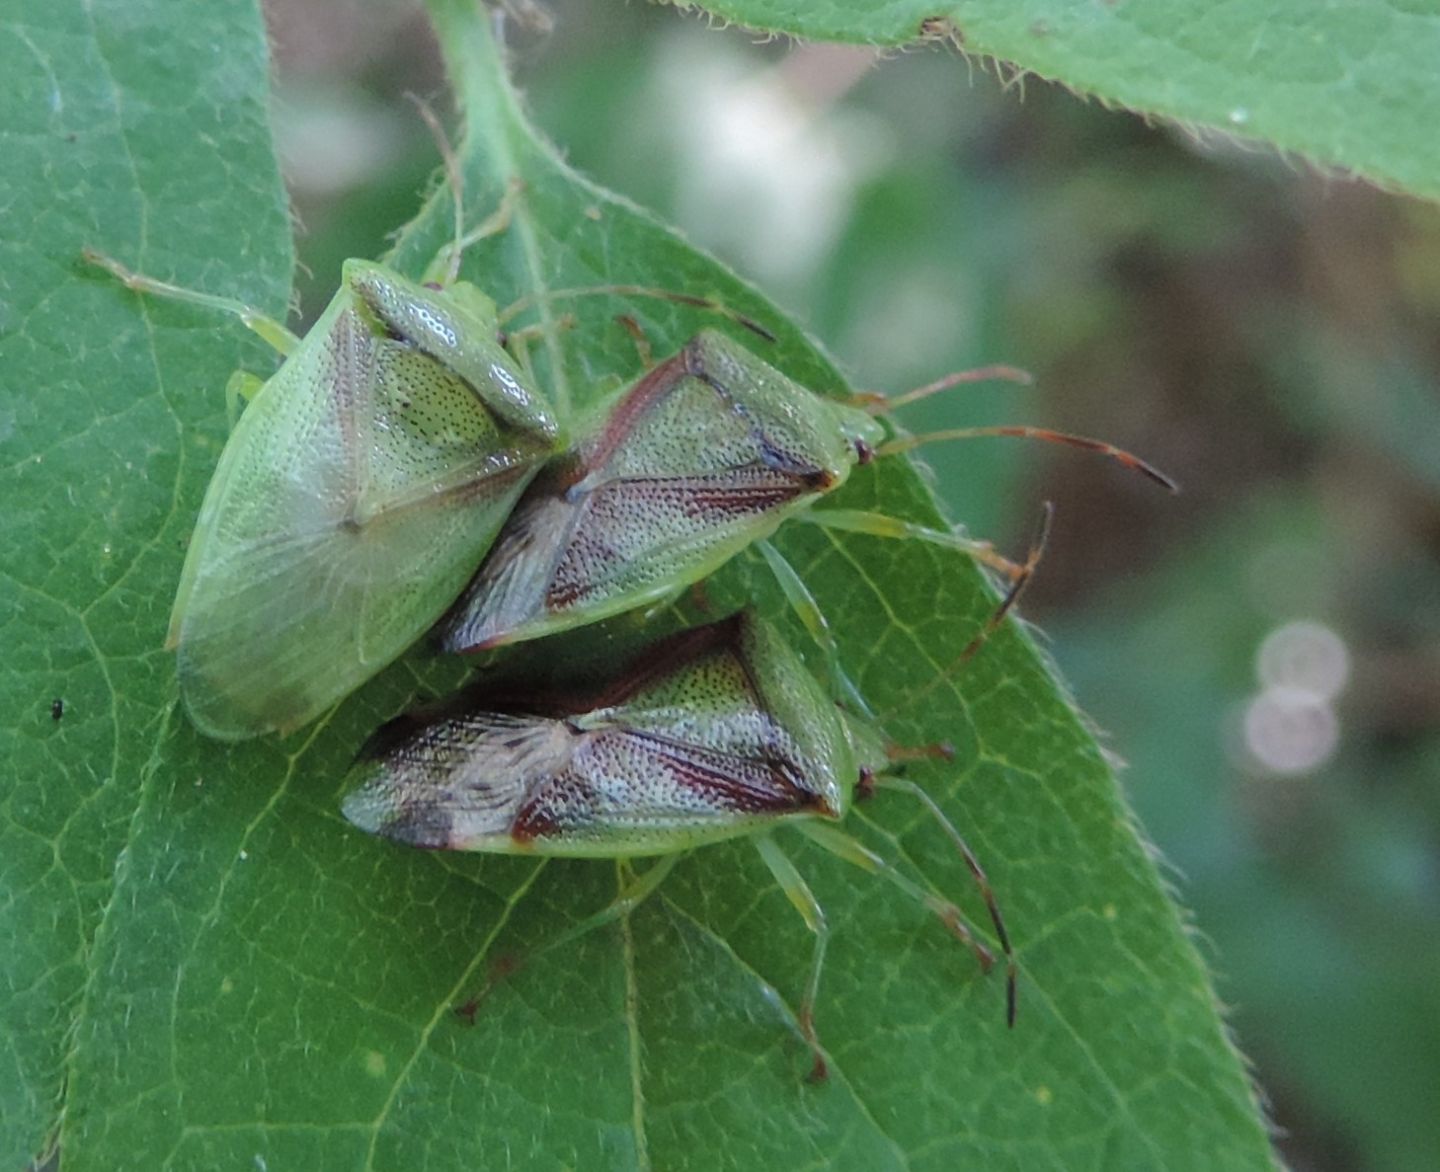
864	453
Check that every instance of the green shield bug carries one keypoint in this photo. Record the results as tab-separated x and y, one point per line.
713	733
358	491
355	496
708	453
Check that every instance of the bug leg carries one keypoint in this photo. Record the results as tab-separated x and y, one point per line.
804	901
267	327
1017	587
845	847
517	342
444	270
982	881
522	337
808	610
709	304
1026	571
637	335
883	525
498	220
632	894
239	390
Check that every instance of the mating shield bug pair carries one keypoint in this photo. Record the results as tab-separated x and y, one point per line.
373	473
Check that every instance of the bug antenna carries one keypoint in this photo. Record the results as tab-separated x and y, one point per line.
977	873
706	303
642	343
877	404
906	443
454	177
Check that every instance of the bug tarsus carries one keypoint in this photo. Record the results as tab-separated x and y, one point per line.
504	968
937	751
637	335
987	893
1023	574
819	1068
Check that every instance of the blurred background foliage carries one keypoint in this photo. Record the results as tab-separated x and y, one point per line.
1264	650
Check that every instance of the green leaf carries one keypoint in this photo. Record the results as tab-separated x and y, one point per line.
214	970
139	128
1349	85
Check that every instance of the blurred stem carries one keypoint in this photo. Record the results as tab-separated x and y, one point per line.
497	142
475	64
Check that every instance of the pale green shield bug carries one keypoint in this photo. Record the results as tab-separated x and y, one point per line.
355	496
713	733
708	453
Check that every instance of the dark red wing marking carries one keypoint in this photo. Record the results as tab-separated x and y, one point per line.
688	363
770	786
728	783
668	654
535	820
655	385
742	501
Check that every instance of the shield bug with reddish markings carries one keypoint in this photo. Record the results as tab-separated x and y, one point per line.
707	454
713	733
361	486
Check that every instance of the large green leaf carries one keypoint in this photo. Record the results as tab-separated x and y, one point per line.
139	128
1347	83
214	970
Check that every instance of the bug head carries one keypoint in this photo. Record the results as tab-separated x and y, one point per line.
861	431
400	309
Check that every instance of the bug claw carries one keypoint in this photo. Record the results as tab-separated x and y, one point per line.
819	1069
819	1072
503	967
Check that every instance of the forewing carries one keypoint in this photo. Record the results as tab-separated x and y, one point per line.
458	783
356	495
441	477
708	453
686	753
